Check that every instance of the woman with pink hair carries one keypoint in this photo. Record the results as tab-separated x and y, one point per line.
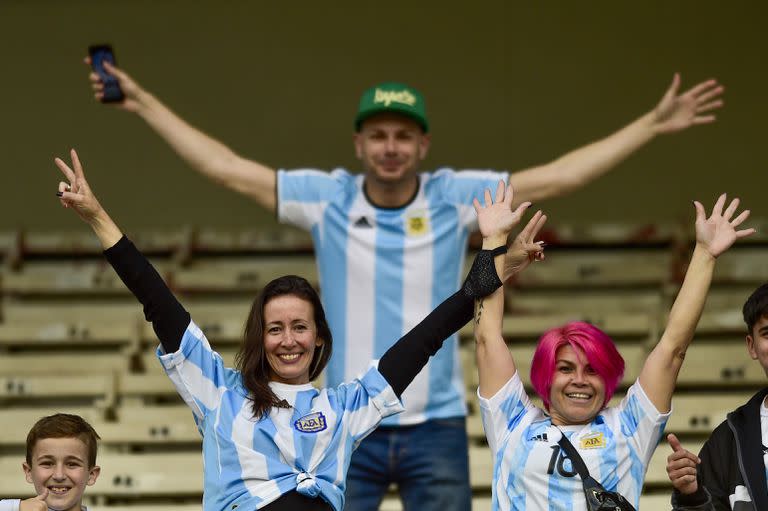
576	453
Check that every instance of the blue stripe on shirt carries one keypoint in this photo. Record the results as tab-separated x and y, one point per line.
388	280
447	258
331	253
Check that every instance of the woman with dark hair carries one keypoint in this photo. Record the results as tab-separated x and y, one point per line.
270	439
575	370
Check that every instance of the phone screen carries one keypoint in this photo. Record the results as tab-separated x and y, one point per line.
100	54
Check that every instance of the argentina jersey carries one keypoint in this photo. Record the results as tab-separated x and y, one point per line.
532	473
250	462
383	270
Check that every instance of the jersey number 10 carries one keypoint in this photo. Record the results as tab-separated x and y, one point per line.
558	460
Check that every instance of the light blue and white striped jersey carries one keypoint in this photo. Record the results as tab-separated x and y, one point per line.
531	473
250	462
383	270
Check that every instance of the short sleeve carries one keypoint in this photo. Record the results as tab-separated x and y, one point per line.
303	194
461	187
367	400
503	412
641	423
198	372
10	504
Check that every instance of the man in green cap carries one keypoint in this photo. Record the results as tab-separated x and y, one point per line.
390	245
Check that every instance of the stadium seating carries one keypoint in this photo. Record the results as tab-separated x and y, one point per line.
72	339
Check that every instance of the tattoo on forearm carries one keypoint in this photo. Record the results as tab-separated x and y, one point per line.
479	311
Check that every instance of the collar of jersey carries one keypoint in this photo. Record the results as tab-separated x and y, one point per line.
287	387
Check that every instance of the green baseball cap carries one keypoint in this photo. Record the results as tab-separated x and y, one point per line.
392	97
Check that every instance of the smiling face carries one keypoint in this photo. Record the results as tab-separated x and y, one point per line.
290	338
578	392
60	465
390	147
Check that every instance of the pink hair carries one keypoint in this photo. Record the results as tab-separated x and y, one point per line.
587	340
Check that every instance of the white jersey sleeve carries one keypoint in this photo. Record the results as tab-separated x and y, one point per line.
462	187
303	194
502	412
641	423
198	372
367	400
10	504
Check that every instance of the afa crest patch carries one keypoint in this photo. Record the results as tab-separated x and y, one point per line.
593	441
417	224
312	423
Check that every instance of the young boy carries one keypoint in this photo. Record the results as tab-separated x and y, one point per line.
731	471
61	462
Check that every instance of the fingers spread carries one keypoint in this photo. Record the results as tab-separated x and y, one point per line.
78	166
509	195
745	232
712	105
520	211
710	94
701	215
674	86
539	224
704	119
718	209
68	172
698	89
500	191
731	209
739	219
488	200
527	232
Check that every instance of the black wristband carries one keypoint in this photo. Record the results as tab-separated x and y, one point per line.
499	250
482	279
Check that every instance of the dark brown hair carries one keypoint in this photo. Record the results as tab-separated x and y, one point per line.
63	425
251	359
755	307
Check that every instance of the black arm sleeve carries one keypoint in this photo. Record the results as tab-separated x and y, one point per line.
403	361
169	319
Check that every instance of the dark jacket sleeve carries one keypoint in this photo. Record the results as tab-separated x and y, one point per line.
717	464
169	319
701	500
403	361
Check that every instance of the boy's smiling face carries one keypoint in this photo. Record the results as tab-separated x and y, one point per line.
60	465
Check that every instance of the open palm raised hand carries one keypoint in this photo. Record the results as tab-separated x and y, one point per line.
718	232
497	217
677	112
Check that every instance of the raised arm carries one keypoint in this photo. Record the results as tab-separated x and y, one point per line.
495	364
405	359
201	151
714	235
675	112
169	319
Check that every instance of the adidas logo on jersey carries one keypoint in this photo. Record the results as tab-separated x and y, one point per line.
363	222
539	438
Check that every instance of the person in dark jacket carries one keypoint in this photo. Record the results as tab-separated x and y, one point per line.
731	469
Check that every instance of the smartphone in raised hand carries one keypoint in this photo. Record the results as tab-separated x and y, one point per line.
99	54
